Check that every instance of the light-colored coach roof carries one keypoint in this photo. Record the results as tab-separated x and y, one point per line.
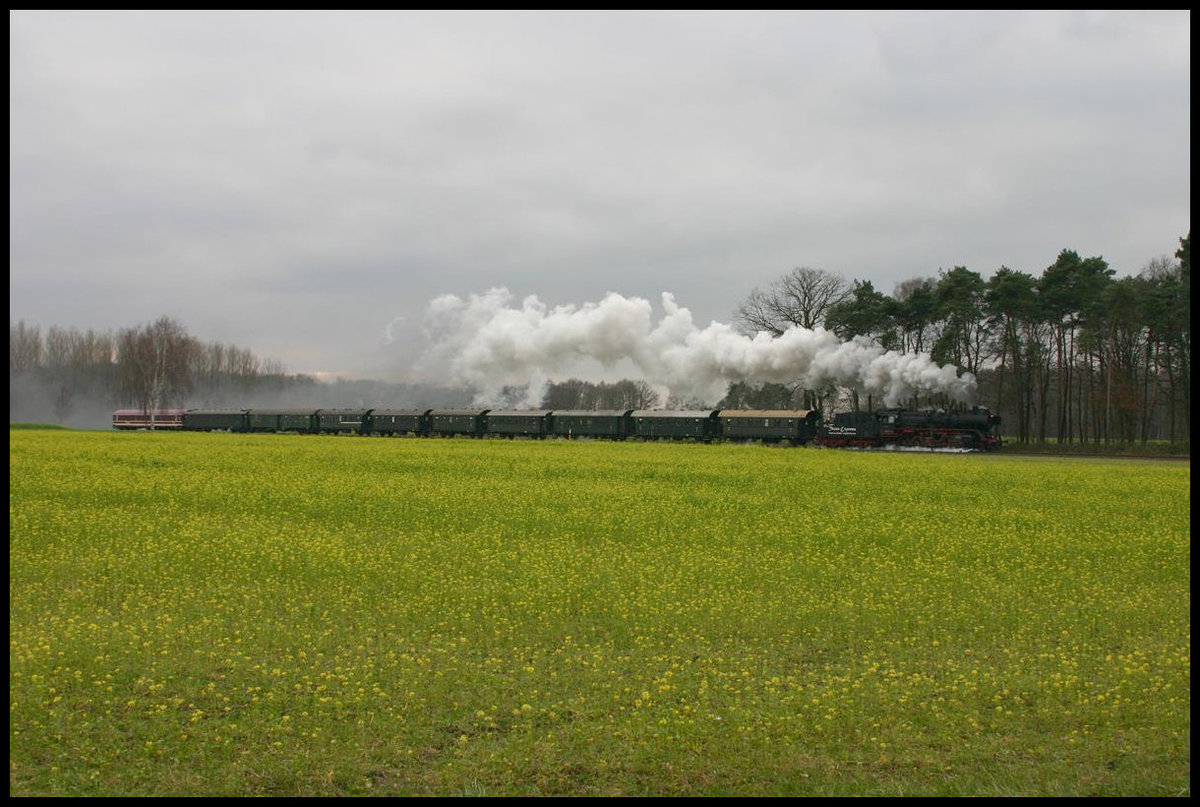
766	413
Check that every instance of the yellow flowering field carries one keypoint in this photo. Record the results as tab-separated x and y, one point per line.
285	615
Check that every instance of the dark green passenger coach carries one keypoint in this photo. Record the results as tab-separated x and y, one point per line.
400	421
796	426
281	420
659	424
518	422
613	424
454	422
207	420
339	421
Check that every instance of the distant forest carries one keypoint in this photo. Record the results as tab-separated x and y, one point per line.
77	378
1074	354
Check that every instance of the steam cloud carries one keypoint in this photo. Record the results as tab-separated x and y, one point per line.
487	342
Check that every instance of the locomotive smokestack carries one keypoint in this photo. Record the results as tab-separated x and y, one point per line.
488	342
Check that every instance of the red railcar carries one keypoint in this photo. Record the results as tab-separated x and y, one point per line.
127	419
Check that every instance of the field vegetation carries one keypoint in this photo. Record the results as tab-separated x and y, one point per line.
283	615
1148	449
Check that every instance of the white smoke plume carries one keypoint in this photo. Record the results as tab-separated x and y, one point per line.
488	343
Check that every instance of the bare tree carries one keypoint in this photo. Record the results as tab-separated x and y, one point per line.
567	394
273	366
576	394
24	347
745	395
628	394
57	352
799	298
241	362
93	348
153	363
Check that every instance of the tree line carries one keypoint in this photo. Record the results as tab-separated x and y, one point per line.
1074	354
65	371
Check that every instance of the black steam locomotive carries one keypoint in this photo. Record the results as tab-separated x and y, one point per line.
976	430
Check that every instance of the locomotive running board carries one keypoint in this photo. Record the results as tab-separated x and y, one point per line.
908	449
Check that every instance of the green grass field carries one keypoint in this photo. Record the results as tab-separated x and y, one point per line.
204	614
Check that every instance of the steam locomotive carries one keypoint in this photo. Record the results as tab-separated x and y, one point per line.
976	430
902	429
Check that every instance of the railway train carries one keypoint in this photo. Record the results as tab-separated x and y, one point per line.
894	429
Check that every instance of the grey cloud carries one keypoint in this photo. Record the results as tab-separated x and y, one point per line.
343	169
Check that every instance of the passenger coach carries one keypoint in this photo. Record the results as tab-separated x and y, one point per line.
795	426
662	424
610	424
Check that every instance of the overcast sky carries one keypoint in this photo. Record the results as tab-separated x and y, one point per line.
305	183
